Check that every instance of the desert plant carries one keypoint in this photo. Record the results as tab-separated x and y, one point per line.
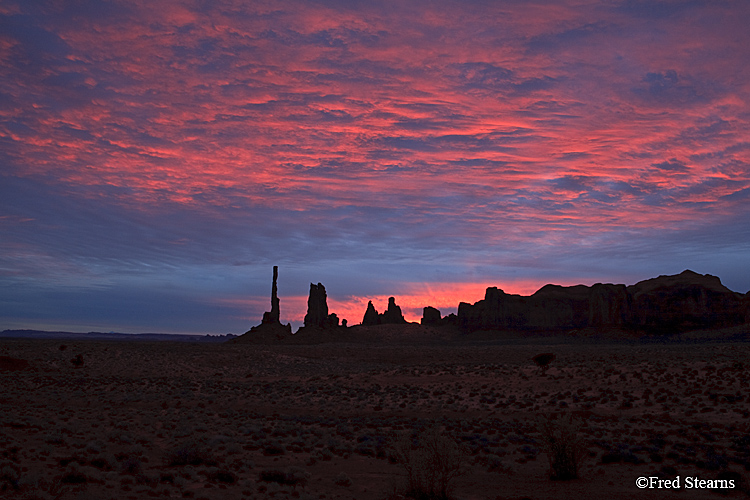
215	474
543	360
563	445
189	453
343	480
294	477
77	360
431	462
131	465
9	476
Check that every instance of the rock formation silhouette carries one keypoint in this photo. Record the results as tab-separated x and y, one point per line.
391	316
430	316
685	301
317	306
667	304
273	315
371	315
317	309
663	305
270	328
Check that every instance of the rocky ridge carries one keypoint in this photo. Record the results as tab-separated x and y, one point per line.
667	304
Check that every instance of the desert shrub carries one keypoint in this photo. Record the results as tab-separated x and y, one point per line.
431	461
73	478
131	465
294	477
273	449
77	360
563	445
543	360
10	477
221	475
55	437
76	474
103	461
343	480
297	476
272	476
234	448
121	437
218	440
190	453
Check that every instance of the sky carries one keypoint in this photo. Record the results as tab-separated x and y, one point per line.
158	158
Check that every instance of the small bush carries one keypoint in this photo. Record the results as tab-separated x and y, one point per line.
76	474
431	462
222	476
273	450
77	360
73	478
10	477
343	480
188	454
131	465
562	443
272	476
294	477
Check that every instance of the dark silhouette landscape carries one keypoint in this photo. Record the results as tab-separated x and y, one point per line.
663	306
572	392
418	170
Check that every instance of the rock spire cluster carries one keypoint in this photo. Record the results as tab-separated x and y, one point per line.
391	316
667	304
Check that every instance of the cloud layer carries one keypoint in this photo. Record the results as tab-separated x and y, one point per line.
159	157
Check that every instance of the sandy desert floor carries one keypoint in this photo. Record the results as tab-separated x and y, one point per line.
181	420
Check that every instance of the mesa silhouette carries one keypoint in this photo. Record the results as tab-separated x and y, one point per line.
665	305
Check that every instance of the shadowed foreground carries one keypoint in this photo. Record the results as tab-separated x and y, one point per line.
175	420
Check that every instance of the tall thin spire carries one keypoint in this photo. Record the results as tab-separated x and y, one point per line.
274	315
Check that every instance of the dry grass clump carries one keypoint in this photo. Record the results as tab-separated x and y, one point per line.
432	462
561	441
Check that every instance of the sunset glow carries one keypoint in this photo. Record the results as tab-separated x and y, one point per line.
158	158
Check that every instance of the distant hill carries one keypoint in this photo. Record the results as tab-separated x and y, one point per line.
124	337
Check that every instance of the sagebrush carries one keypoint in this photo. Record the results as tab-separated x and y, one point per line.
432	462
561	441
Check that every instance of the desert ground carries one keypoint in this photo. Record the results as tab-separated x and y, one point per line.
134	420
